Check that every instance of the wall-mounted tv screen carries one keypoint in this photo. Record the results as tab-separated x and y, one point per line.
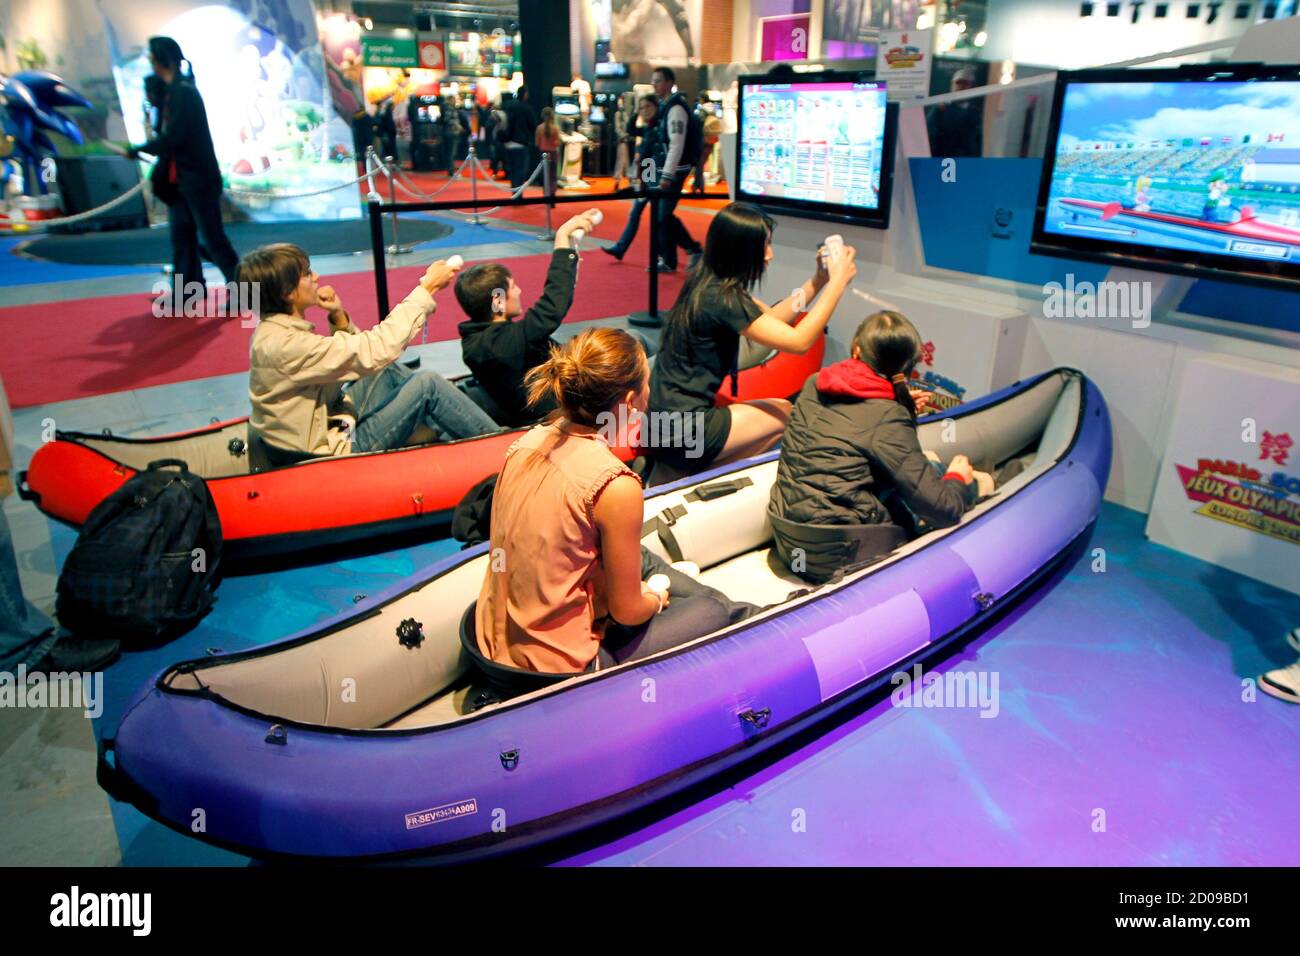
820	146
1193	170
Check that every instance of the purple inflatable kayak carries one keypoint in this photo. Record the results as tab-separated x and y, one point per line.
352	740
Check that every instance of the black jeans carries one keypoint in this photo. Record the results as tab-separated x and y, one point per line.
195	218
671	230
633	223
516	163
694	609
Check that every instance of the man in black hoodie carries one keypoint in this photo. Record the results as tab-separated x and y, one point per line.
499	350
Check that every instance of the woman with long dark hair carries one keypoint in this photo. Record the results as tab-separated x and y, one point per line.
186	176
853	480
701	342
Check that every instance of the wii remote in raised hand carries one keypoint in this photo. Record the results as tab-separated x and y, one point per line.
597	217
455	262
658	582
833	246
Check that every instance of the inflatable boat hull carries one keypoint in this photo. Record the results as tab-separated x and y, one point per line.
546	765
283	510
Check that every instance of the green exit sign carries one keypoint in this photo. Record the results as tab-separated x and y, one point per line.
388	51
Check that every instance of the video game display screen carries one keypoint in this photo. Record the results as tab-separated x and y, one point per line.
820	147
1192	170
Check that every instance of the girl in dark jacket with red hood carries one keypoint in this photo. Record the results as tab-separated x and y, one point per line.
852	478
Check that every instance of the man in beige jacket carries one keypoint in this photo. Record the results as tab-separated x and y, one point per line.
296	376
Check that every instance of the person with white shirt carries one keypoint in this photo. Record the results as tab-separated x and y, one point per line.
296	377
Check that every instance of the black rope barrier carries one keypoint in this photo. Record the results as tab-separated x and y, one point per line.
377	208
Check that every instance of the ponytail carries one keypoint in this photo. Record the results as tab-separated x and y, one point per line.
168	52
890	345
902	394
588	374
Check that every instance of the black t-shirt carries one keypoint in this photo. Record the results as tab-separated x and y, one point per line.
693	364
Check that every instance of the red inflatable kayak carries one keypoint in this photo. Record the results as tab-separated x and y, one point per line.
296	507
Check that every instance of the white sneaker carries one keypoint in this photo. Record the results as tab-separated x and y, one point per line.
1283	683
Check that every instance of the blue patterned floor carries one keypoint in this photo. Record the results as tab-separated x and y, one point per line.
1119	692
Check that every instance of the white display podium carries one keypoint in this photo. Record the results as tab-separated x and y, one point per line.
1229	484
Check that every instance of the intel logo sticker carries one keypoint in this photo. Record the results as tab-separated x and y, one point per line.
448	811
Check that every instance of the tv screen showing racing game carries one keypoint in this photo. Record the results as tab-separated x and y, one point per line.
821	147
1193	170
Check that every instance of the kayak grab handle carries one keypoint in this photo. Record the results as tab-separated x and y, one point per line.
115	783
106	774
25	490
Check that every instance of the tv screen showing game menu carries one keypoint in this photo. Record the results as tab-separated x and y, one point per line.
820	146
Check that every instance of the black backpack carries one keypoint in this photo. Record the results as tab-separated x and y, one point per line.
146	562
471	522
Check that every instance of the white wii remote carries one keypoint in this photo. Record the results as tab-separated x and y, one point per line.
596	218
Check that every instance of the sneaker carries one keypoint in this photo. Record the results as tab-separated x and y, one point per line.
71	653
663	267
1283	683
612	251
1293	638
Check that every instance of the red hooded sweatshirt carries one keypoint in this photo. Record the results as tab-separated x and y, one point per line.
852	378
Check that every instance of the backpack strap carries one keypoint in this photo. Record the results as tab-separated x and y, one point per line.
168	463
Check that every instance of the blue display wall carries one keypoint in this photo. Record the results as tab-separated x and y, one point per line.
981	222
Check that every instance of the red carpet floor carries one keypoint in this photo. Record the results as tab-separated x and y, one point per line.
693	211
114	343
88	347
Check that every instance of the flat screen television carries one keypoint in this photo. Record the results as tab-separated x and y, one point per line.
819	146
1193	170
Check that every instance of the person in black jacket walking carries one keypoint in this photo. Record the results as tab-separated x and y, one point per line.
500	351
650	149
853	480
521	127
189	179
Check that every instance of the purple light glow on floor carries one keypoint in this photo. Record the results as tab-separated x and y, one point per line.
1120	703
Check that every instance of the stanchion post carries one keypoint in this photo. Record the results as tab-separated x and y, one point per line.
472	161
650	318
377	252
396	248
546	188
655	209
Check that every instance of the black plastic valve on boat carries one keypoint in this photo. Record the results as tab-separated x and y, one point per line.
758	718
277	735
236	447
410	633
984	599
510	759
